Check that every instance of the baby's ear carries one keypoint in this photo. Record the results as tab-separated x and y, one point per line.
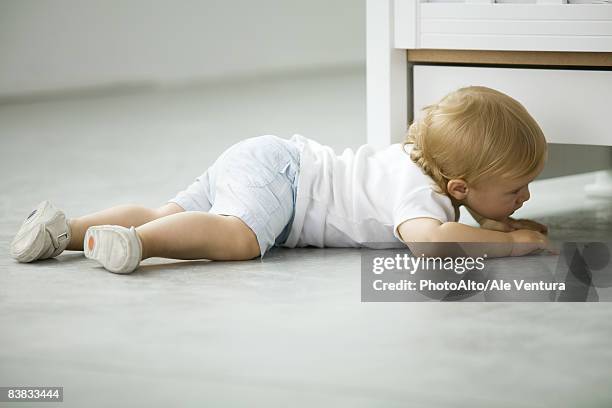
458	188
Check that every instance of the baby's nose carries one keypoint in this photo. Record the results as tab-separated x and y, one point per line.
525	196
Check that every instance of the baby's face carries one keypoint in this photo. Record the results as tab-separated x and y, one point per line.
497	199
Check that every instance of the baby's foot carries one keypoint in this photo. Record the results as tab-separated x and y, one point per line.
117	248
44	234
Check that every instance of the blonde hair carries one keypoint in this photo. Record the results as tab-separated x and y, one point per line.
476	133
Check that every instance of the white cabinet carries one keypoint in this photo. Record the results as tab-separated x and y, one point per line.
511	25
572	104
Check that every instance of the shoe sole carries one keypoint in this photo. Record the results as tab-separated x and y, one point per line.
92	250
32	246
31	230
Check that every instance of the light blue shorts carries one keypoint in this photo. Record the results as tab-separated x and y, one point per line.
254	180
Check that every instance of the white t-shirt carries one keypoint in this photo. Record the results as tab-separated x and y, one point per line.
360	198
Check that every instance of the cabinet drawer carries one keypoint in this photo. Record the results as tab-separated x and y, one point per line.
571	106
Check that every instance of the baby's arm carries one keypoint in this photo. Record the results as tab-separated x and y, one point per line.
420	233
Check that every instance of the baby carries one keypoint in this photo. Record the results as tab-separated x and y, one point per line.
477	147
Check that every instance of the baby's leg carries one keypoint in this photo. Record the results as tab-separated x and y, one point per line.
198	235
124	215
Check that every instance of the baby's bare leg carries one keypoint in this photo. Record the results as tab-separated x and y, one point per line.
124	215
198	235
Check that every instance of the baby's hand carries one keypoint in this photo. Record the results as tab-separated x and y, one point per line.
510	224
528	225
527	241
495	225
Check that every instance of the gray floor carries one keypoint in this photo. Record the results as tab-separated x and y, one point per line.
286	331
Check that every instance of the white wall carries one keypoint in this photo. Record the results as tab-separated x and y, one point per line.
48	45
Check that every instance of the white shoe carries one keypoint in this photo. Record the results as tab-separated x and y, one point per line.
117	248
44	234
